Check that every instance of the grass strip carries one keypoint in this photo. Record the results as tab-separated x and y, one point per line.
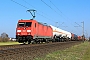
77	52
8	43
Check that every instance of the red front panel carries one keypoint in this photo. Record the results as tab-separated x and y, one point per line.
23	31
23	27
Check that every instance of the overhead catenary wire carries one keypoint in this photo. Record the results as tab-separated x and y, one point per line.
28	8
60	11
39	10
55	6
19	4
50	7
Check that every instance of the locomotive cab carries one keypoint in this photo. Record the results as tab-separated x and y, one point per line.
23	31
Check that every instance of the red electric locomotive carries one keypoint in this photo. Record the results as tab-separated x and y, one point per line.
32	31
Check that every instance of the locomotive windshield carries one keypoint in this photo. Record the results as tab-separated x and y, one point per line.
21	24
24	24
28	24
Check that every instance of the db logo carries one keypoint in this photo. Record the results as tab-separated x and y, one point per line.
24	30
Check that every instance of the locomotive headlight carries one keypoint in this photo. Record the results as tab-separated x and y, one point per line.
28	30
18	34
18	30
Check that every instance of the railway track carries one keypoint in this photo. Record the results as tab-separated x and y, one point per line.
23	52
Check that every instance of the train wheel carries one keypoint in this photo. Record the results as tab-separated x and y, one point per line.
24	42
29	41
53	40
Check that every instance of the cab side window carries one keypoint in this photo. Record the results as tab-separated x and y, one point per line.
35	25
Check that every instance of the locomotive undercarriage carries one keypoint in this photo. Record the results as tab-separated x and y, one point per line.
29	39
24	39
37	40
60	39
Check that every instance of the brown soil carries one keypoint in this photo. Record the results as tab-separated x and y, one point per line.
29	52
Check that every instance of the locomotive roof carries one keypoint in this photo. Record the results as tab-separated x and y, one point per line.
43	23
33	20
26	20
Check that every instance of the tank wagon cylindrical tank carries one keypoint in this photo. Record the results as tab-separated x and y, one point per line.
60	35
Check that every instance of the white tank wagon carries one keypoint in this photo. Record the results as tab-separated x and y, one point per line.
60	35
68	34
56	31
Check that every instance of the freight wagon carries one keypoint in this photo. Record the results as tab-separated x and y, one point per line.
80	38
60	35
74	37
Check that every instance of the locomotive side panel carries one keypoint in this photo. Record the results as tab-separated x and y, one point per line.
44	31
50	32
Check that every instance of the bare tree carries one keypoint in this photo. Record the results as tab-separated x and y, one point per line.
4	35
